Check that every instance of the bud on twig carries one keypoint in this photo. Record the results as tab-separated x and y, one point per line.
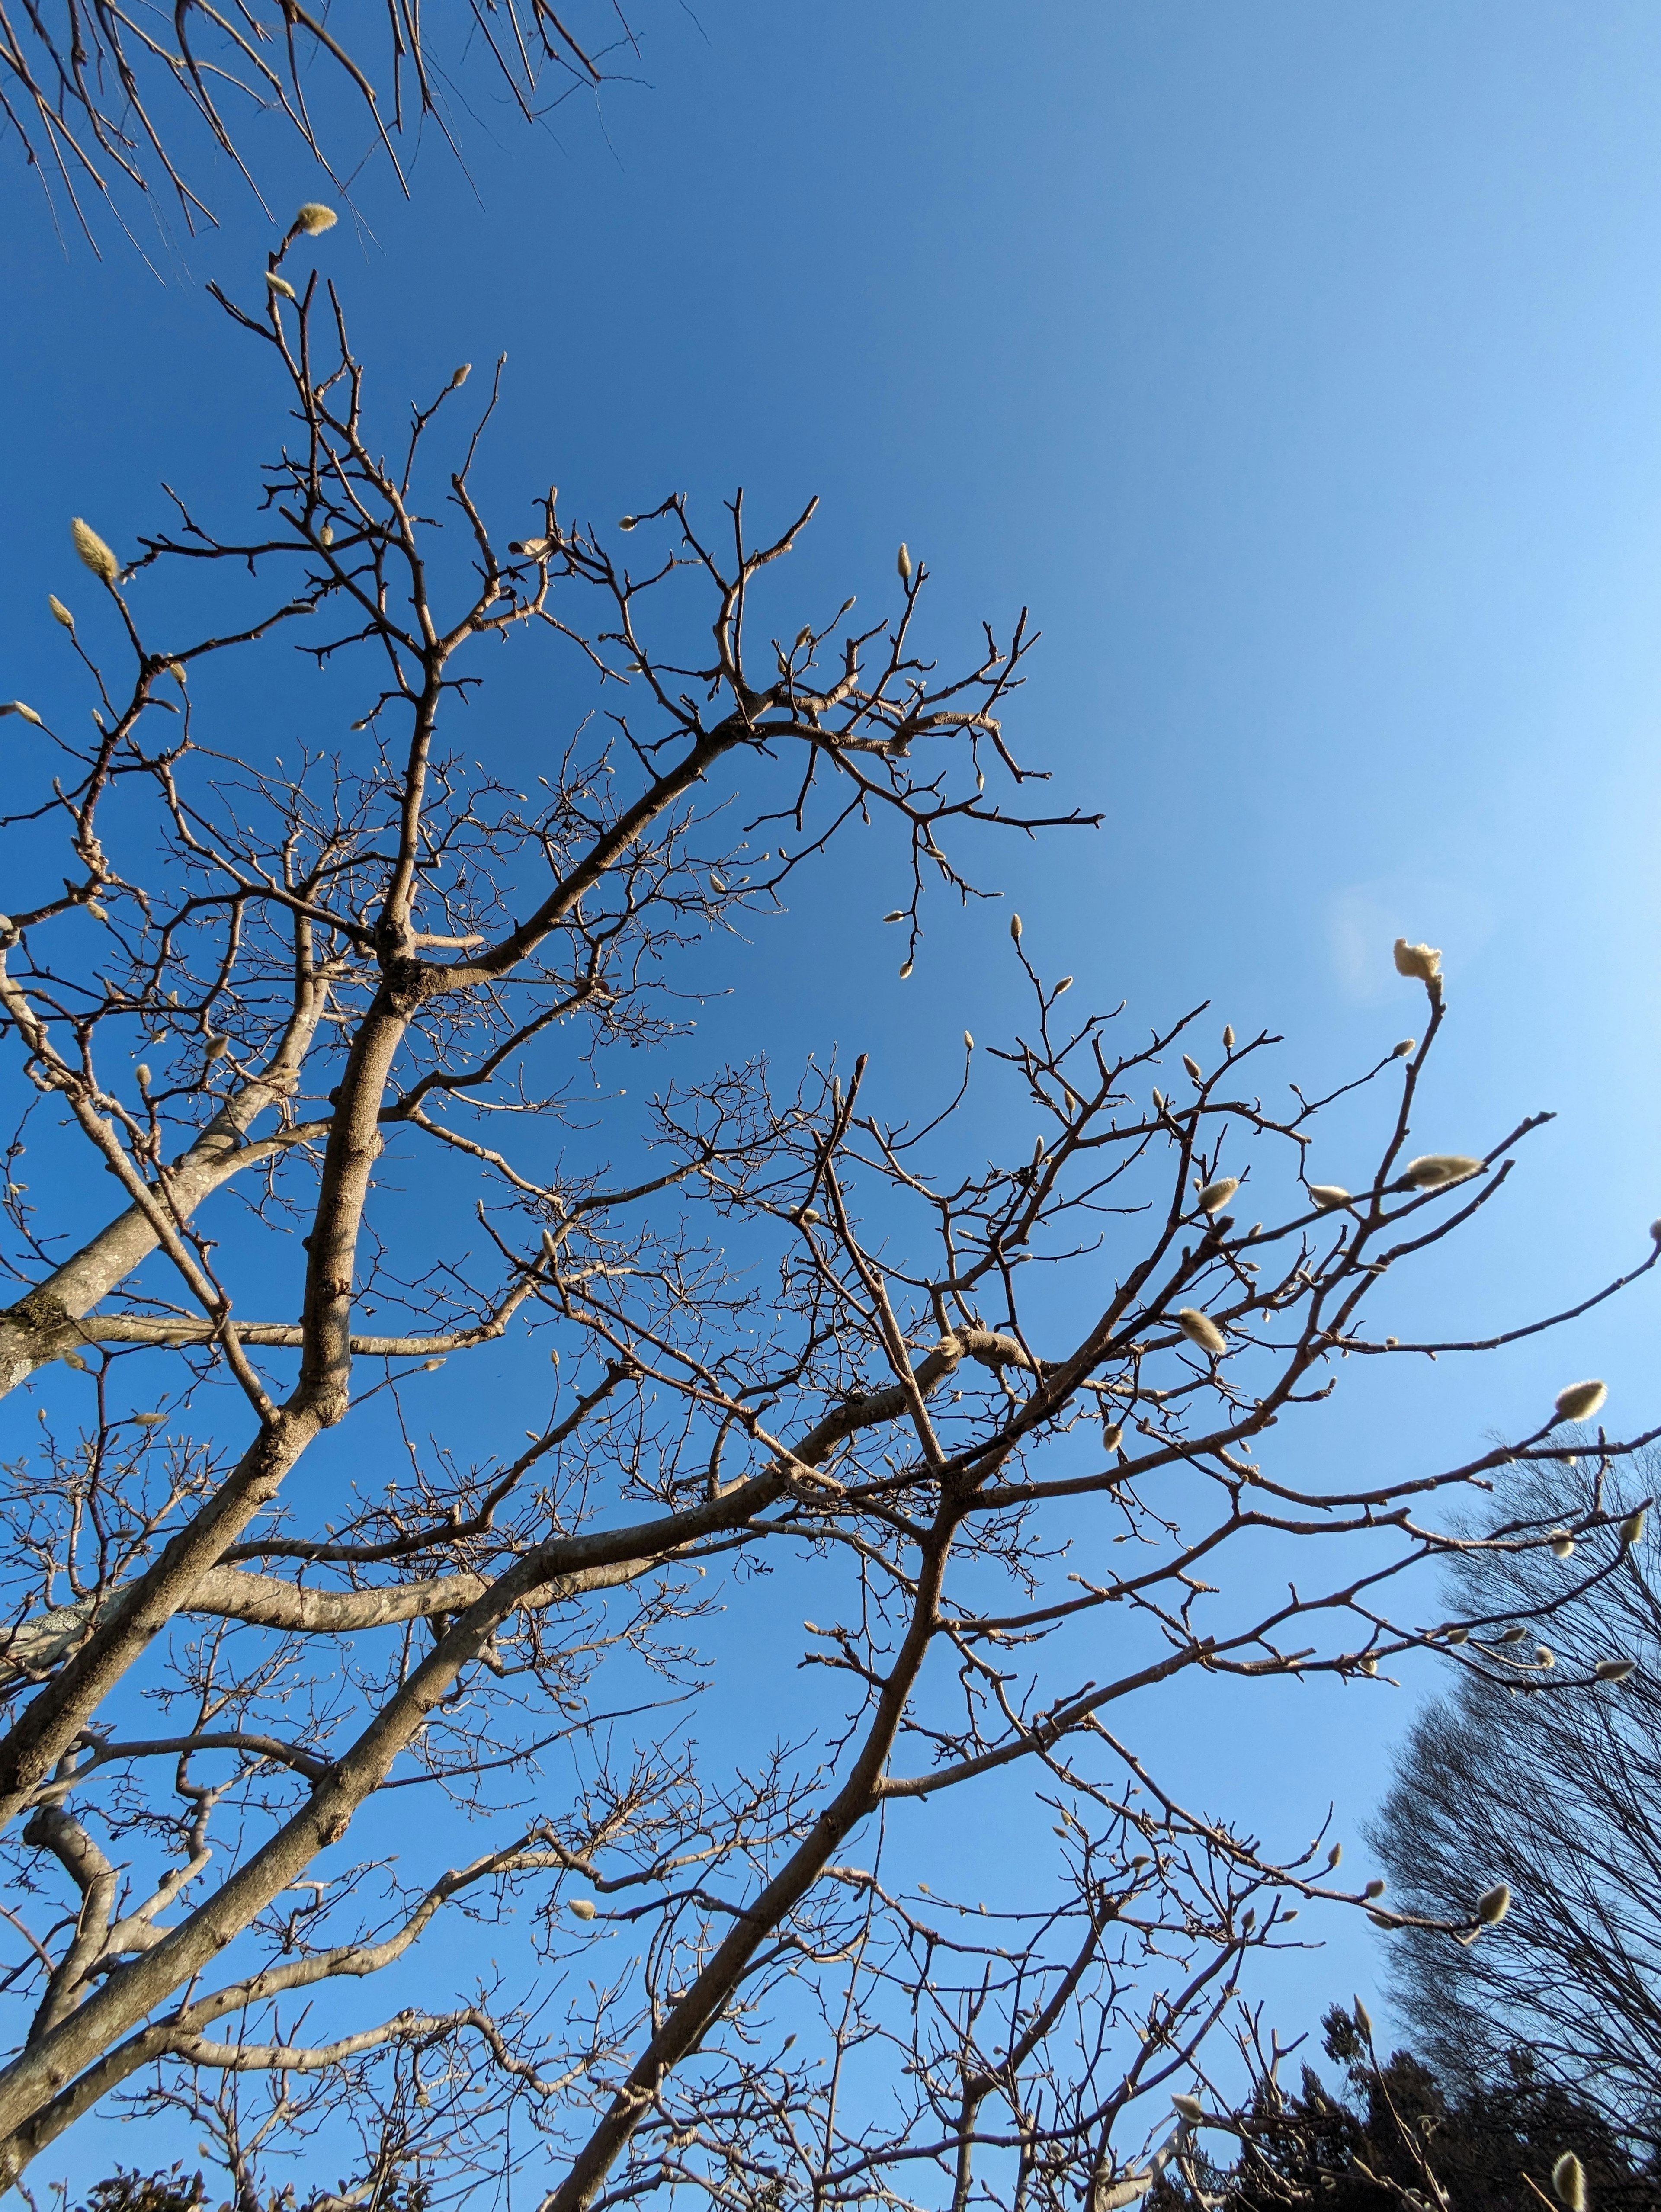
280	284
1432	1170
1581	1401
1228	1036
1568	2182
1190	2109
1402	1050
1561	1543
27	713
1327	1195
314	219
1615	1670
1493	1904
1015	927
583	1907
60	612
1631	1530
1216	1195
1200	1328
93	551
903	563
1422	961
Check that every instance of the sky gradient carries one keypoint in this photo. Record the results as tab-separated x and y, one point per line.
1298	366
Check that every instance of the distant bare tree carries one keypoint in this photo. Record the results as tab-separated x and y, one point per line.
104	102
369	987
1565	1794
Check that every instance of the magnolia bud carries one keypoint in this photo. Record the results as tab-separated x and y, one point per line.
1228	1036
461	376
74	1359
431	1366
906	971
628	521
149	1420
903	563
1561	1543
1457	1633
26	714
1334	1857
1568	2182
1216	1195
1615	1670
1327	1195
314	218
1431	1169
1544	1655
143	1075
1422	961
1015	927
1188	2108
1363	2020
280	284
969	1041
325	536
1200	1328
583	1907
1513	1636
60	612
898	915
1113	1435
1631	1528
1402	1050
93	551
1368	1664
217	1046
1376	1887
1493	1904
1581	1401
1192	1066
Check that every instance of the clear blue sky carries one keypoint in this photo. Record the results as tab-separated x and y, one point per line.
1298	365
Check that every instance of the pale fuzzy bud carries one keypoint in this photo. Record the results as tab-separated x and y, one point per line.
1422	961
1432	1170
1631	1528
1228	1036
903	563
1568	2182
93	551
1493	1904
176	670
1015	927
217	1046
149	1420
1187	2108
461	376
1402	1050
60	612
628	521
1113	1435
1615	1670
26	714
143	1075
1193	1066
1458	1634
583	1907
968	1042
1581	1401
74	1359
280	284
898	915
906	971
1327	1195
325	536
431	1366
1376	1887
1334	1857
1513	1636
1368	1664
1544	1655
314	219
1200	1328
1364	2020
810	1214
1216	1195
1561	1543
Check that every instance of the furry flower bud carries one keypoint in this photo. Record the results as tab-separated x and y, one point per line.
1631	1528
149	1420
903	563
1200	1328
1402	1050
144	1076
1561	1543
1422	961
1187	2108
280	284
93	551
583	1907
1327	1195
59	612
1193	1066
1581	1401
26	714
1432	1170
1493	1904
1568	2182
1216	1195
1015	927
1228	1036
1615	1670
1376	1887
314	219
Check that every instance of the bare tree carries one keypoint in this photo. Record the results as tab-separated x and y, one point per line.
107	105
1562	1793
793	1336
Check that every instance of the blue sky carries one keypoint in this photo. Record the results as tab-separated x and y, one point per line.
1299	366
